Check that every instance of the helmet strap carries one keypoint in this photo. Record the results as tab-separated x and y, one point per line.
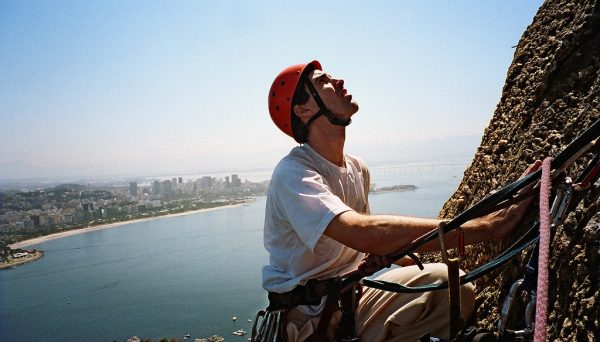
323	110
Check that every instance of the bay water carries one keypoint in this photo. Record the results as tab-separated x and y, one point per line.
174	275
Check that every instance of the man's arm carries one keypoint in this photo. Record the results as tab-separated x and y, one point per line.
386	234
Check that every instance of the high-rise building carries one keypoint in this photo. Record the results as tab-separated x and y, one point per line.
166	187
156	187
236	182
206	182
180	180
133	188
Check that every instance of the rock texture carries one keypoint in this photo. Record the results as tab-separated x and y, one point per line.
552	93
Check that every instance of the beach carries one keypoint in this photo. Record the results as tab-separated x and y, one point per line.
60	235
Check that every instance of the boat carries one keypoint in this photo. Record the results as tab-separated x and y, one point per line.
240	332
186	336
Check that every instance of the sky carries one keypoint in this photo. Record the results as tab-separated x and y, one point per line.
114	87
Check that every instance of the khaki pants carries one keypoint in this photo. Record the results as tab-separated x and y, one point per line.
395	317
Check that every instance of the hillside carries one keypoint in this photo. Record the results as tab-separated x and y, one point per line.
551	94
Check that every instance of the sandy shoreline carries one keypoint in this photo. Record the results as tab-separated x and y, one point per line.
60	235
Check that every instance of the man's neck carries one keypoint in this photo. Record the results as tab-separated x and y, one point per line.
330	147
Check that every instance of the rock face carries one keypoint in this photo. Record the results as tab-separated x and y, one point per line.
552	93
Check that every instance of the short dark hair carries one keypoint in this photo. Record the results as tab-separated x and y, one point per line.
301	96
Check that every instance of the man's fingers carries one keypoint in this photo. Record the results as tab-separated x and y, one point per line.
532	168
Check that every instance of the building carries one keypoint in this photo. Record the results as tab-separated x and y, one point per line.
166	188
156	187
207	182
236	182
133	188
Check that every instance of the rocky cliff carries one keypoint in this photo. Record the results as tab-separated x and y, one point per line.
552	93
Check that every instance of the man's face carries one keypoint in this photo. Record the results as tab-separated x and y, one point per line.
337	99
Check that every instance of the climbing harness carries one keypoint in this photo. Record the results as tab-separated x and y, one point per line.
567	196
273	320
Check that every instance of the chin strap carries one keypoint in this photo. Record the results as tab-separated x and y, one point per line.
334	120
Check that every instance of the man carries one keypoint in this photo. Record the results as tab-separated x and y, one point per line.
317	223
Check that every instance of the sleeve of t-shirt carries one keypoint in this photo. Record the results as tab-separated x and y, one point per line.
307	202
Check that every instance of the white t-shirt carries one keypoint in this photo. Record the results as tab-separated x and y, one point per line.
306	192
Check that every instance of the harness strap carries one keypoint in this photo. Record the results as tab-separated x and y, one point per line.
330	308
453	265
323	110
312	294
309	294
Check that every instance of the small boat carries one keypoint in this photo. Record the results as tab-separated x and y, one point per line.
186	336
240	332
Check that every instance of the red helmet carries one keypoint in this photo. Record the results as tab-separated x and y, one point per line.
282	92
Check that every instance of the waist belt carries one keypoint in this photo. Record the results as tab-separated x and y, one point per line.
309	294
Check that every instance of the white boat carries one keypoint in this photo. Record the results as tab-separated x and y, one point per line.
240	332
186	336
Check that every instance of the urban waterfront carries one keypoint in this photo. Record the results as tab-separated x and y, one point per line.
170	276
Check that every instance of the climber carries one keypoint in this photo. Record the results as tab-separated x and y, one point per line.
318	226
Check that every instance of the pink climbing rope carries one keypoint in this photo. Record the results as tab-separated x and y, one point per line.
541	306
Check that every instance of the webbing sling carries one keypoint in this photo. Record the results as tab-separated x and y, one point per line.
583	144
453	265
526	240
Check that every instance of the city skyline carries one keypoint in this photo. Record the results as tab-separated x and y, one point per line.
108	88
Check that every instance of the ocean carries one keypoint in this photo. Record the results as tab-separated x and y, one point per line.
175	275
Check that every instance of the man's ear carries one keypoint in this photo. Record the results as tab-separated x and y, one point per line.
302	111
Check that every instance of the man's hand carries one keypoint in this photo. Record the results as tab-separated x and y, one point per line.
373	263
503	223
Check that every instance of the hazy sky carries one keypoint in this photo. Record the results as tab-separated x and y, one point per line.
123	87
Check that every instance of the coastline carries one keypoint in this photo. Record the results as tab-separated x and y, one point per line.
67	233
21	261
